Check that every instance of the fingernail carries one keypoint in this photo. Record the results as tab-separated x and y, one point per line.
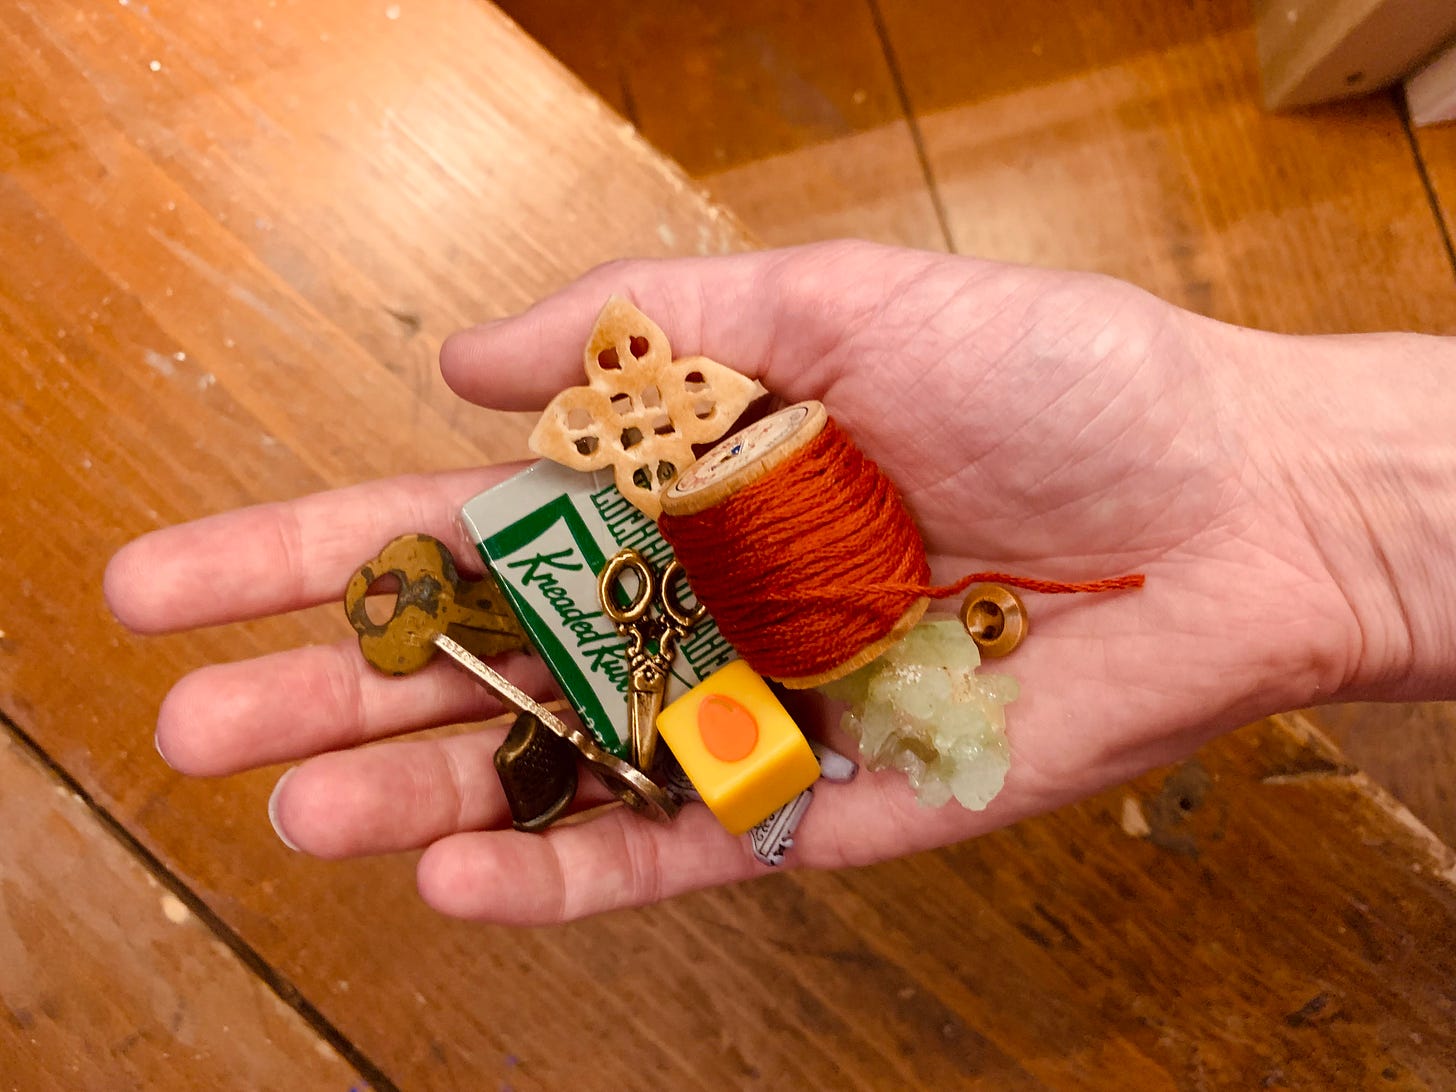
157	743
273	811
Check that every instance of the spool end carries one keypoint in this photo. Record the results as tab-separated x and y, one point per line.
870	652
737	462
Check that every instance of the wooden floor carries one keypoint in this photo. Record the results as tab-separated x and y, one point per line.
1061	135
233	236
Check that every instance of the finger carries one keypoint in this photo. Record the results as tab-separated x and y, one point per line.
521	362
280	557
770	314
621	860
398	796
615	860
289	705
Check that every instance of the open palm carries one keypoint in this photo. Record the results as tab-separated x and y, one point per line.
1059	425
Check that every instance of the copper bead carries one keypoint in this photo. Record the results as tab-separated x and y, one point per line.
995	619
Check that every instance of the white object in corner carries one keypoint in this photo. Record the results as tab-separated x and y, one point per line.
1431	93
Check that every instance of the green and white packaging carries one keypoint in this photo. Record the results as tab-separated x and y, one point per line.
546	533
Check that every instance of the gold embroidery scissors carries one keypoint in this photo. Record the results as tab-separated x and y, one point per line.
652	638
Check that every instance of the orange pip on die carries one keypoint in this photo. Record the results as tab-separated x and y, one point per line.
738	746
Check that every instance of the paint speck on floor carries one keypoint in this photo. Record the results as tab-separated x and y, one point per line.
174	909
159	363
1134	822
155	66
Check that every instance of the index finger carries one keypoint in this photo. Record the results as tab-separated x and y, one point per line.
522	361
282	556
775	315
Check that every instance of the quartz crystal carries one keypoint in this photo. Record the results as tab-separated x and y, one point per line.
922	709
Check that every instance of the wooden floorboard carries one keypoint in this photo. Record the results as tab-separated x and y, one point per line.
1134	144
799	131
1435	149
1413	748
108	980
227	277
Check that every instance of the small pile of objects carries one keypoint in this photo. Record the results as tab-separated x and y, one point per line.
672	596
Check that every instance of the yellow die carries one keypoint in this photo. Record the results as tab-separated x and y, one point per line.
738	746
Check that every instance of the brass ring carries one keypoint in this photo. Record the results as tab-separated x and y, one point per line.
995	619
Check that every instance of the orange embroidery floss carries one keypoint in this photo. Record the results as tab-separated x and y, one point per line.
804	552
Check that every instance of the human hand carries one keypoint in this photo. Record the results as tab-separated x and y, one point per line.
1060	425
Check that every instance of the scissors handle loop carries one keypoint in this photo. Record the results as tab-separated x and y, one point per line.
673	581
610	580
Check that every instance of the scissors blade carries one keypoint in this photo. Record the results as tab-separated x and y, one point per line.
644	704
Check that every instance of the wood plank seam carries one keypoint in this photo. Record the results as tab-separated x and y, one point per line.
912	121
1402	109
1442	856
286	991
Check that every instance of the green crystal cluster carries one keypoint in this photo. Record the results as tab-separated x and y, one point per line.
922	709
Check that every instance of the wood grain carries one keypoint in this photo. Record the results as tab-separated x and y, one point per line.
1414	748
347	187
800	132
1436	148
1135	145
107	979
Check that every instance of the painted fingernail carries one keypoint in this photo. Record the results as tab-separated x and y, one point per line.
273	811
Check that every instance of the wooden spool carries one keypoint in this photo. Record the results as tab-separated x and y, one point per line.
742	459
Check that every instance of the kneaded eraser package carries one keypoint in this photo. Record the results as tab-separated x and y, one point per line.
546	533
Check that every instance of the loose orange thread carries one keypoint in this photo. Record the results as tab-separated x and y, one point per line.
817	560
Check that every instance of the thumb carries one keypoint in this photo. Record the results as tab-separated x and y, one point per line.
770	314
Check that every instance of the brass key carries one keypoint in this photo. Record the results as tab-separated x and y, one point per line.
432	598
436	610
